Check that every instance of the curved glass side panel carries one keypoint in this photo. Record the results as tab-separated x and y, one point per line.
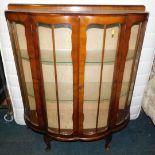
128	73
24	63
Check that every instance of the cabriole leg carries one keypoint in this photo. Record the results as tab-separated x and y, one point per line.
47	142
107	142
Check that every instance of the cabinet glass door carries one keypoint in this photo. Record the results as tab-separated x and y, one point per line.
101	48
98	65
58	59
55	49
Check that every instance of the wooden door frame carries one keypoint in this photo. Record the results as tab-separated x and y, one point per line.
84	22
73	21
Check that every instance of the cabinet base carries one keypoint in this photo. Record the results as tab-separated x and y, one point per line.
107	135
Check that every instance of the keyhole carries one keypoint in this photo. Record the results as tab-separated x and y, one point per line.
112	33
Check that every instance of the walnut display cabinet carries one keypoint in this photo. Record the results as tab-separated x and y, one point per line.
76	66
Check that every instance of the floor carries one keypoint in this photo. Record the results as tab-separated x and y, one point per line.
137	139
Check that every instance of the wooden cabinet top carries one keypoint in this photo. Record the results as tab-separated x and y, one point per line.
76	9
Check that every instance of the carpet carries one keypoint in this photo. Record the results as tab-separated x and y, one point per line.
138	138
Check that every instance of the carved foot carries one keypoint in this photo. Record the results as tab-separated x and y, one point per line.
107	142
47	142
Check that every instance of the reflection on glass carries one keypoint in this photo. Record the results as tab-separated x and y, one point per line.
59	108
96	117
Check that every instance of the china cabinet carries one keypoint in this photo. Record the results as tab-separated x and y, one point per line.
77	66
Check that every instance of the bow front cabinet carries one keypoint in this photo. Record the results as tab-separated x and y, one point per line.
77	66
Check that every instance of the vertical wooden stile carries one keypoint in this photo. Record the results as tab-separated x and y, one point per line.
82	59
43	109
36	71
75	62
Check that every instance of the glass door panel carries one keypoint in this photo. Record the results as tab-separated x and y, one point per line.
128	73
55	50
101	48
25	69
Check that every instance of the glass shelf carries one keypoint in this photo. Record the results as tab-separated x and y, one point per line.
64	89
66	96
94	56
92	91
64	57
